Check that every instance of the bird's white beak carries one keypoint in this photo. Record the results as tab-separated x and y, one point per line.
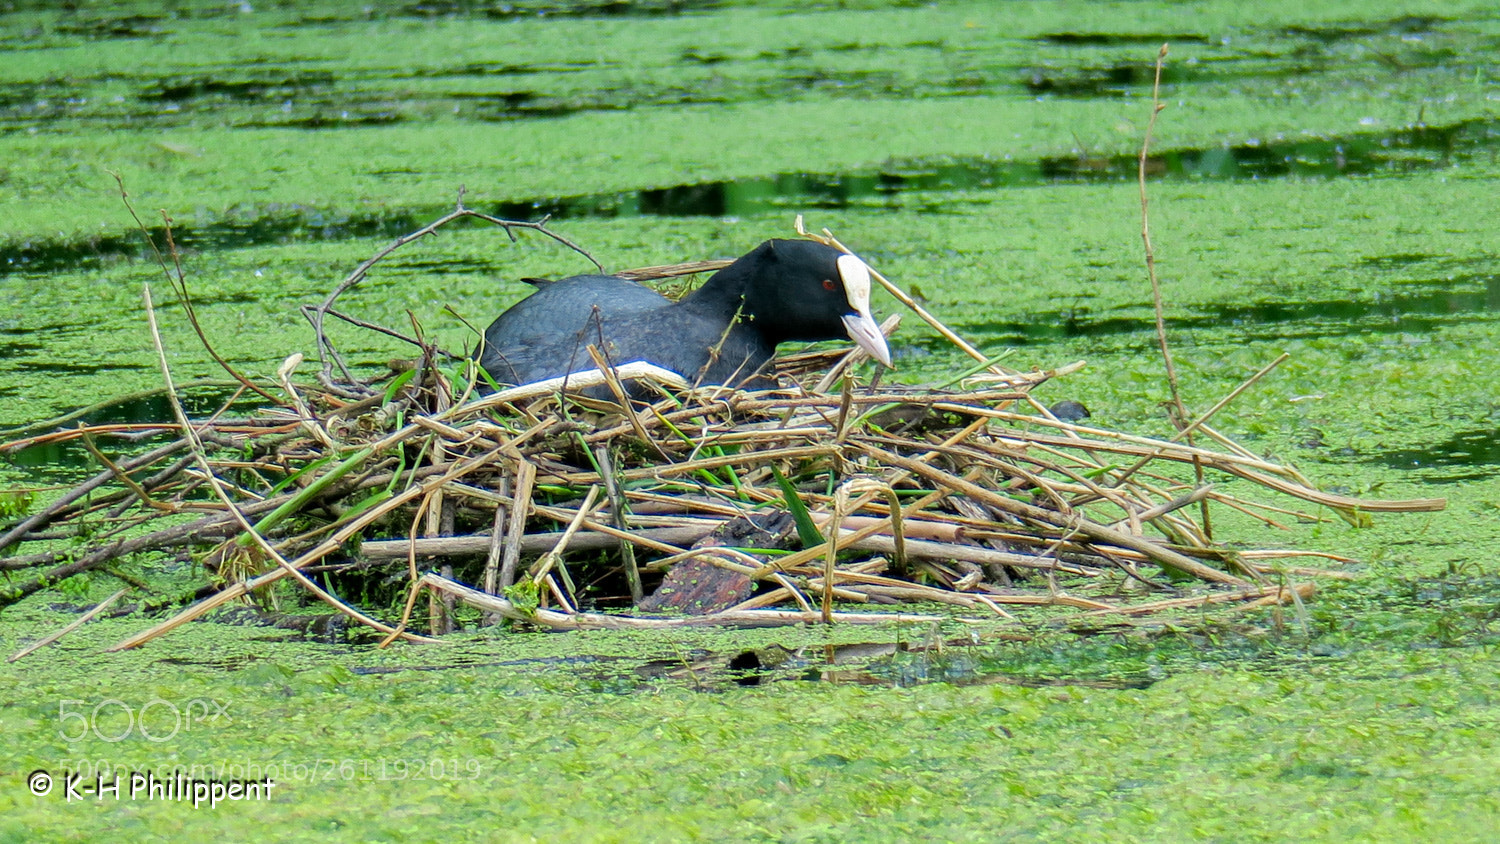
861	326
864	331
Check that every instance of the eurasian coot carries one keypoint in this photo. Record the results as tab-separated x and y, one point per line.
722	333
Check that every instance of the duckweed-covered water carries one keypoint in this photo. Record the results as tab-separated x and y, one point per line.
1323	183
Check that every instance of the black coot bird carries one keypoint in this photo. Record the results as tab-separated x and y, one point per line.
722	333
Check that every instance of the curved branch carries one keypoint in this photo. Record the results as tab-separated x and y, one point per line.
315	314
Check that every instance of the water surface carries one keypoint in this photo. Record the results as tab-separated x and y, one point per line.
1322	181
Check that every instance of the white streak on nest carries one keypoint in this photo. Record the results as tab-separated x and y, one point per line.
578	381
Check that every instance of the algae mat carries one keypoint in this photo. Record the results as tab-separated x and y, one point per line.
1324	181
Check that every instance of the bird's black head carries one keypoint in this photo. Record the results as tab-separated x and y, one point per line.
804	290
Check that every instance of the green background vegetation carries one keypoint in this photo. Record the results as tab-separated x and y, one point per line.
1325	187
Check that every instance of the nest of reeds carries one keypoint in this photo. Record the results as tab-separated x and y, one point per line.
832	498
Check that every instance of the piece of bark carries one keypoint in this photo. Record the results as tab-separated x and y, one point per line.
698	587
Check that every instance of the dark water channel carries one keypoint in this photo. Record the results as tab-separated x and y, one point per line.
1429	304
1406	150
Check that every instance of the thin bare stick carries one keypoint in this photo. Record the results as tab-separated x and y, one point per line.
179	286
948	334
74	625
326	352
1188	430
332	543
249	530
1179	417
1158	553
593	621
380	329
1161	326
121	476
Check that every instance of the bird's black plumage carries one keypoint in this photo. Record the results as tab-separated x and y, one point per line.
722	333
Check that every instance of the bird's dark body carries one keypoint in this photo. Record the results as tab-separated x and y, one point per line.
558	311
722	333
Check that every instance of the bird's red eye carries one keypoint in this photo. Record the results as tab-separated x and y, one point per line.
828	284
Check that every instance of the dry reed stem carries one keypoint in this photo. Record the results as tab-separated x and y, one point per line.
714	449
600	536
315	314
497	534
848	539
74	625
248	529
178	284
1193	602
1280	595
553	557
947	333
525	480
574	382
596	621
1187	430
339	537
1157	553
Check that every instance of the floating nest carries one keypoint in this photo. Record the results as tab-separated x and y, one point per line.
831	499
